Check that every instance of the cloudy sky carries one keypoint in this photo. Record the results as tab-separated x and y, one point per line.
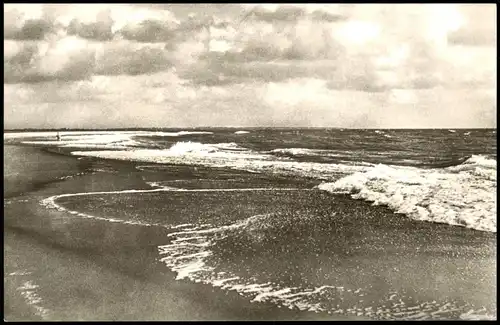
311	65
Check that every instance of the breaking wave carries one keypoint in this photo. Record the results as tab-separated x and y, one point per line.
307	152
462	195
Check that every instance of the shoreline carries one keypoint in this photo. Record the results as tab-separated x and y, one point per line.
72	258
79	247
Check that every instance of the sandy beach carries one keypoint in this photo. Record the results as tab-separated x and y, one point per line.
63	267
250	162
93	270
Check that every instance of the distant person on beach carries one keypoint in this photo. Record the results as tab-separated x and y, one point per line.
58	136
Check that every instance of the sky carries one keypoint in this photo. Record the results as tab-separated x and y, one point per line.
250	65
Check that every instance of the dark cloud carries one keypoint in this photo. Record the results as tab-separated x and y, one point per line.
95	31
28	66
271	48
123	61
149	31
321	15
283	13
79	66
31	65
100	30
220	71
192	24
16	66
32	29
260	60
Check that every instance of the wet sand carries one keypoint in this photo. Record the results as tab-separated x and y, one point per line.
93	270
84	269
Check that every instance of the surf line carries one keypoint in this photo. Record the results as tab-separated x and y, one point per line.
50	202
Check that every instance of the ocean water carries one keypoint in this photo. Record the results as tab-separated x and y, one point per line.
338	221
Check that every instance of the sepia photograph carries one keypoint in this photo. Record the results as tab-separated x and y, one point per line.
250	162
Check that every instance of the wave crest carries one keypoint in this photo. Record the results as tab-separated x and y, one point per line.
462	195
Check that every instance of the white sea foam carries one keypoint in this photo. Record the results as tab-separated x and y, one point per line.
309	152
219	155
51	202
191	246
477	315
463	195
241	132
29	134
189	262
194	262
459	195
94	139
29	291
188	147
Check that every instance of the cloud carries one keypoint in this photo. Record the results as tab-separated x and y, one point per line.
126	58
94	22
479	28
321	15
101	29
472	37
29	23
149	31
67	59
32	29
74	42
162	99
274	13
146	25
72	58
282	13
295	64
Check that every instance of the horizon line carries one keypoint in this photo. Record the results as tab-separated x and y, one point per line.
244	127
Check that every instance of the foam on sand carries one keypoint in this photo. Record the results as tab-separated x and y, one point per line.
463	195
187	253
241	132
51	202
190	255
94	139
28	289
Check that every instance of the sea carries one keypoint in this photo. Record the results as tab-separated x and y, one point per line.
385	224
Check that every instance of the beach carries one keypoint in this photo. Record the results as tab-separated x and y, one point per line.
105	256
250	162
92	270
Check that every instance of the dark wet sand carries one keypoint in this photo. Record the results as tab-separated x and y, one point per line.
96	270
